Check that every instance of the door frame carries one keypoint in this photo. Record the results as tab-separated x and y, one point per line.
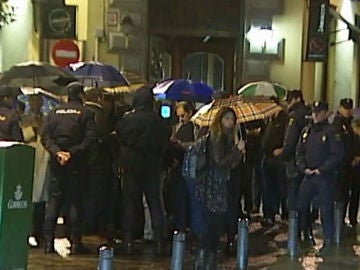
223	47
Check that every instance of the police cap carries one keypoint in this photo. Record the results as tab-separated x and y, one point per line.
347	103
294	93
74	89
319	106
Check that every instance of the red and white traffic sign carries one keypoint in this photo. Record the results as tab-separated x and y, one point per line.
65	52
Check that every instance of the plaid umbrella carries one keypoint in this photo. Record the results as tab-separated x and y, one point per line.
96	74
246	109
36	74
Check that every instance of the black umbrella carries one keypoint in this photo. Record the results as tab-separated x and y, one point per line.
36	74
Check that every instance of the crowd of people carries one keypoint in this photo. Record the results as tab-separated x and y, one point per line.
96	161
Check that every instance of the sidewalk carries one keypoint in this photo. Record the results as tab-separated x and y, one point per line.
267	249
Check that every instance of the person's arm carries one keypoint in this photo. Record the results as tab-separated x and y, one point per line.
336	152
221	158
16	133
291	140
300	152
46	137
89	137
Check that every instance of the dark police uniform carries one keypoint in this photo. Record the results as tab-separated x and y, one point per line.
295	124
9	120
70	128
319	148
274	169
342	126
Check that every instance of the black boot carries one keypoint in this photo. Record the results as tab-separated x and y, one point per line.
199	263
309	240
77	246
230	247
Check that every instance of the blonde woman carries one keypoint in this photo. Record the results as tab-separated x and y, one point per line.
225	152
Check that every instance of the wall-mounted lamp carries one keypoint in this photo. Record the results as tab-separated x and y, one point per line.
127	25
262	39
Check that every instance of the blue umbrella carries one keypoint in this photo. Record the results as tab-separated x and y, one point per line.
95	74
183	90
48	104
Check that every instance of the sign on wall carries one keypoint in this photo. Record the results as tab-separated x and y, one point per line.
58	22
318	31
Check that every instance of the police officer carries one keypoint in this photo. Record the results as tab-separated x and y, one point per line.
9	120
68	131
274	170
342	125
318	155
297	112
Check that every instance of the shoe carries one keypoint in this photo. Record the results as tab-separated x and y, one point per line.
230	248
326	250
33	242
129	250
309	237
49	247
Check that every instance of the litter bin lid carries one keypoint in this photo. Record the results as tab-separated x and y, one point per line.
6	144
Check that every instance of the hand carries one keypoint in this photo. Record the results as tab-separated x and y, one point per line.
241	145
63	157
277	152
316	172
309	172
355	161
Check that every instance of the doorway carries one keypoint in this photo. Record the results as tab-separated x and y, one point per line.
210	60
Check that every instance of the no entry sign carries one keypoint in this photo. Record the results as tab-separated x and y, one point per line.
65	52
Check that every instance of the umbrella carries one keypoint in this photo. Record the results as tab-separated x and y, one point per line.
48	104
183	90
36	74
246	109
95	74
263	88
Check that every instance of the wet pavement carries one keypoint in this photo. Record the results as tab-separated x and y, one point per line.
267	250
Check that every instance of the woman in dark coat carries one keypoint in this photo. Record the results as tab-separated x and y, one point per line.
225	152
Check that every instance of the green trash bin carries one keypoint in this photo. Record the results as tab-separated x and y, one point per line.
16	181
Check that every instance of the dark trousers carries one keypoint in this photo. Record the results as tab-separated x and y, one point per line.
233	186
38	219
196	209
215	225
293	192
66	194
257	183
177	199
323	186
342	190
354	195
134	186
98	199
247	173
275	191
